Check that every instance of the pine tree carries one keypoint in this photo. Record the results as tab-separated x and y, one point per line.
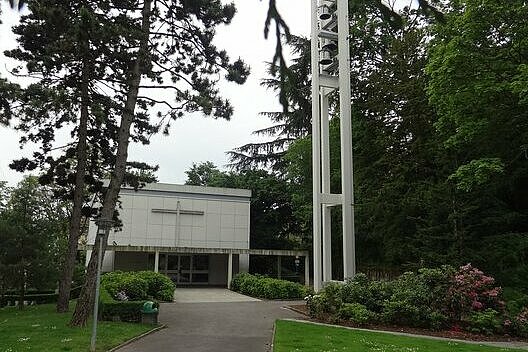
174	49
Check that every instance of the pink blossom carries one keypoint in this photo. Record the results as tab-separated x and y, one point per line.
476	305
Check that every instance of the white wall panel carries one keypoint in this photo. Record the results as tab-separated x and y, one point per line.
199	204
155	202
168	235
228	207
185	233
198	234
241	222
227	221
169	219
139	202
125	215
214	207
170	203
187	219
139	217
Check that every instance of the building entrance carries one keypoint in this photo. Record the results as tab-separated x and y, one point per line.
185	269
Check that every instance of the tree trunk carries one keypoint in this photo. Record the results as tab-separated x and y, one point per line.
22	294
85	302
78	198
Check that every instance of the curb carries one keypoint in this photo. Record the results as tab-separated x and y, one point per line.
296	310
272	337
135	338
498	344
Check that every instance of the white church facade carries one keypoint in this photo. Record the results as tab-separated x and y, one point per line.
195	235
166	216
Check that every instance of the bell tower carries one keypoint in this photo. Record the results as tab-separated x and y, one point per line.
330	62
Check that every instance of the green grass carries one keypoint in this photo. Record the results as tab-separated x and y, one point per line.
306	337
40	328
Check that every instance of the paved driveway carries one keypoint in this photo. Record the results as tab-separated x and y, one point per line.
209	295
219	327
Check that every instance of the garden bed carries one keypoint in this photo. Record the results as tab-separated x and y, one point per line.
450	334
443	302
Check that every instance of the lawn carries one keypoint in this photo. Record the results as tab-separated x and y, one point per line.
305	337
40	328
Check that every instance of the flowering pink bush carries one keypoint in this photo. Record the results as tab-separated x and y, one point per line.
521	323
472	291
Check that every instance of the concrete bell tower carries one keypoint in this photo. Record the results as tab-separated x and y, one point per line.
330	61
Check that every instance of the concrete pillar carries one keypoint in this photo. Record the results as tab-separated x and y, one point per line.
307	270
325	180
156	261
316	150
347	172
229	269
279	266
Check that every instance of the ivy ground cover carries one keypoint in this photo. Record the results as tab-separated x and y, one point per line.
40	328
306	337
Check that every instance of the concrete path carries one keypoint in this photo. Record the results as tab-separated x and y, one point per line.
209	295
218	327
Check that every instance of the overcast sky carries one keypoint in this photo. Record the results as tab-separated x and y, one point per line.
194	138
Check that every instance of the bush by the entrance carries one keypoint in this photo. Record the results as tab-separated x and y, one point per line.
112	310
139	285
266	287
124	293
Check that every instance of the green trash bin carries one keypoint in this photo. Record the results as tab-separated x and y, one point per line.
149	314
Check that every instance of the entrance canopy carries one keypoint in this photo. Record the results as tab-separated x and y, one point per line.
181	256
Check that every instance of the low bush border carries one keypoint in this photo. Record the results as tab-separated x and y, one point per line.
37	298
112	310
268	288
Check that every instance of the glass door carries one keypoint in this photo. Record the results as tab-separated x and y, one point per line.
184	276
185	268
200	269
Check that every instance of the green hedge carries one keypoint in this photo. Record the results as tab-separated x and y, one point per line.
37	298
139	285
110	309
266	287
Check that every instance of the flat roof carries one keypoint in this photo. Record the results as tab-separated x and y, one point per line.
187	189
198	250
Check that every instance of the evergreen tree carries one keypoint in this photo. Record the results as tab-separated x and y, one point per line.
477	71
174	52
33	230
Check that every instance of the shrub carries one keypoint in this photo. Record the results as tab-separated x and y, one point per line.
269	288
515	299
520	323
159	286
361	290
110	309
487	322
327	302
472	291
139	285
437	320
238	279
316	306
356	290
355	313
409	302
